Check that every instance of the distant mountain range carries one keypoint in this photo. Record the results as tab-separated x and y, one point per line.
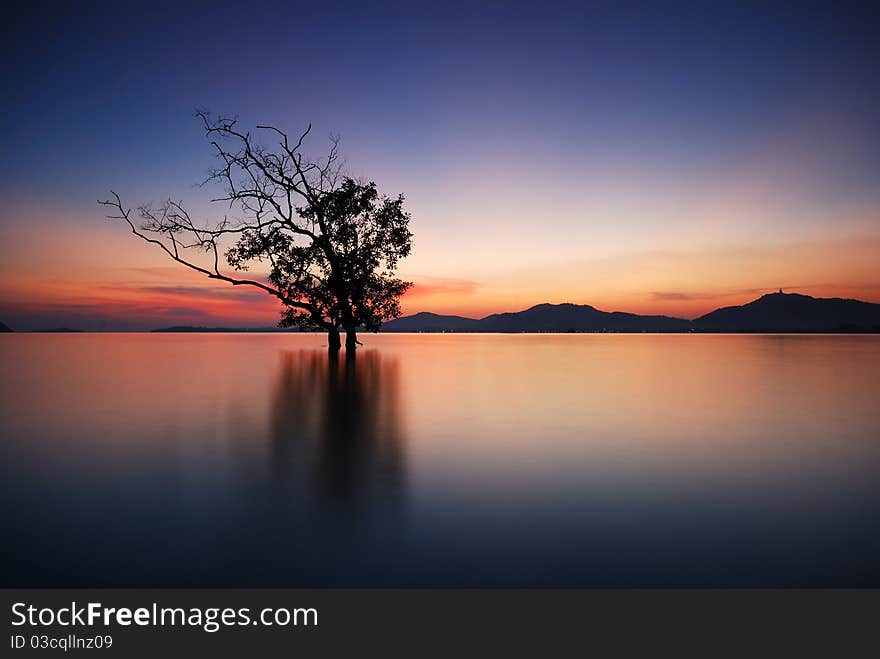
775	312
6	328
58	330
541	318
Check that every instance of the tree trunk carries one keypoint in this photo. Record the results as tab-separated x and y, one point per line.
334	342
351	340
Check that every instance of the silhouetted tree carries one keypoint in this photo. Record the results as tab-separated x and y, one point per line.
332	244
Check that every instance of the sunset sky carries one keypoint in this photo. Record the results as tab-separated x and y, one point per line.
652	158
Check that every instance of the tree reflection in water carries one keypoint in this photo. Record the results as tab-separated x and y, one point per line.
336	433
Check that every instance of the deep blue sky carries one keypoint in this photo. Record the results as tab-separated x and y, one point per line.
118	81
525	135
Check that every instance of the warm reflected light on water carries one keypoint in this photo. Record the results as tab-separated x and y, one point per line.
441	459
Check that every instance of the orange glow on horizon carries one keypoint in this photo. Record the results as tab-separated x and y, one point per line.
100	277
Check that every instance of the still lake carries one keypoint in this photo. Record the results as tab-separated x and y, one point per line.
440	460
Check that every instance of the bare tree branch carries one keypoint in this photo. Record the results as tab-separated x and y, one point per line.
125	214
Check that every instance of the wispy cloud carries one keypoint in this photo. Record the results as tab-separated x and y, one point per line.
425	285
197	292
165	272
679	296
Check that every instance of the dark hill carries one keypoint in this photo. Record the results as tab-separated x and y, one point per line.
791	312
541	318
432	322
5	328
578	318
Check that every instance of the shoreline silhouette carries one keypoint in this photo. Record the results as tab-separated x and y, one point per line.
773	312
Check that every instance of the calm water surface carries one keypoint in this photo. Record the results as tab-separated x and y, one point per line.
624	460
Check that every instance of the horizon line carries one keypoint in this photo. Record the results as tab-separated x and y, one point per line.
267	328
